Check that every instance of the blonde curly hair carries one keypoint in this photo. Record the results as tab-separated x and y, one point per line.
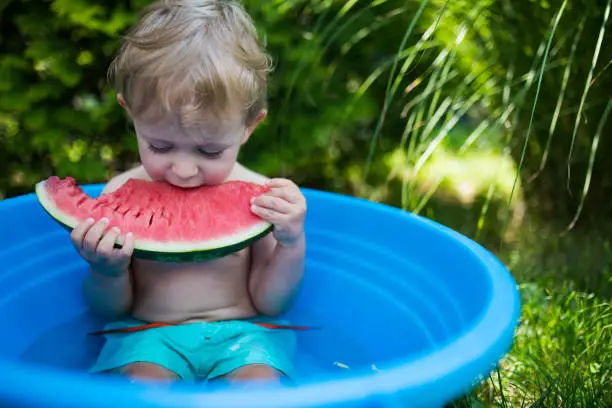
192	58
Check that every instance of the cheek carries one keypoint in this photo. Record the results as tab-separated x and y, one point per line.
216	173
218	170
154	164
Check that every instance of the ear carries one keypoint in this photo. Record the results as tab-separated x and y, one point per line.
122	102
251	128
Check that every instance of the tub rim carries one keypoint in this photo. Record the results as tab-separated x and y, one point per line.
434	377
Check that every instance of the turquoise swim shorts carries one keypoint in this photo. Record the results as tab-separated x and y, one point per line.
199	351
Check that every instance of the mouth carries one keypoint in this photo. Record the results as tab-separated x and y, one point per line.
185	184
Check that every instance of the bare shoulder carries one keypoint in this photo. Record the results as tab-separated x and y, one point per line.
117	181
242	173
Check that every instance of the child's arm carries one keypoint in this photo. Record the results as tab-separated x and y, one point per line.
107	289
278	259
276	275
109	296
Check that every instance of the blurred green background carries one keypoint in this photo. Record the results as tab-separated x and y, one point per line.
489	116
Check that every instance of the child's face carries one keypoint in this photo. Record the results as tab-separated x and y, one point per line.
174	155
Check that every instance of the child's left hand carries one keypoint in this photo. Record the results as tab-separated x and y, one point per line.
285	207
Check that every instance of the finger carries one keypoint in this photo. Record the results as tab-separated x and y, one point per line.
292	195
271	216
273	203
93	236
279	182
128	245
79	231
107	243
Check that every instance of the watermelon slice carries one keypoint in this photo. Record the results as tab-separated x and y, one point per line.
169	223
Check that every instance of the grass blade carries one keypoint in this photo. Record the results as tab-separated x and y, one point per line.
601	72
533	109
555	118
389	95
369	81
587	86
594	147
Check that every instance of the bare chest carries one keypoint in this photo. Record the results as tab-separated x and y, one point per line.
213	270
204	290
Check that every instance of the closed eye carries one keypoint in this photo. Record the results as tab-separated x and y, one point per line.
160	148
210	154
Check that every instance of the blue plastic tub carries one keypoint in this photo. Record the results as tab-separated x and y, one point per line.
411	314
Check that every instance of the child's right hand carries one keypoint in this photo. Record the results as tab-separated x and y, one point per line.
97	246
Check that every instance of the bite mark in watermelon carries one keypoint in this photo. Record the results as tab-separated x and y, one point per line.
169	223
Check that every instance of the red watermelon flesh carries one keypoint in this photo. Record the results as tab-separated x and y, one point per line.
167	221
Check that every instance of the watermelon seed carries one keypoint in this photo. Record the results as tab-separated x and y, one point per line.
151	220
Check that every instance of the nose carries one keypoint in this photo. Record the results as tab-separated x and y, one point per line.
184	169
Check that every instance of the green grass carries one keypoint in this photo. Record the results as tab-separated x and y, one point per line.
562	356
461	107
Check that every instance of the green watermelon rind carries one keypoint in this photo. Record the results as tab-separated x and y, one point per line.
168	251
200	254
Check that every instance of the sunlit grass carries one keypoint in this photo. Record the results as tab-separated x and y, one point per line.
443	69
562	356
588	83
459	177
